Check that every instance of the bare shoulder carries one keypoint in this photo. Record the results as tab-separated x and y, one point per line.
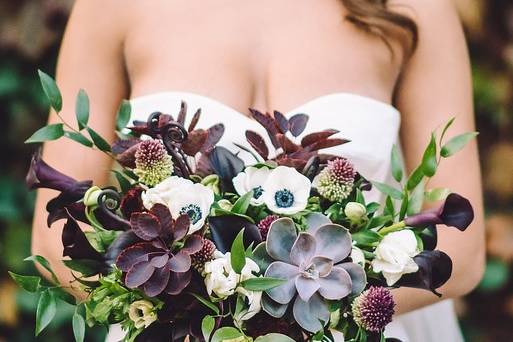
431	15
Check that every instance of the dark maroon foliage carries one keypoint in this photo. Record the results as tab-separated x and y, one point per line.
75	243
262	324
290	154
456	211
132	202
226	165
155	264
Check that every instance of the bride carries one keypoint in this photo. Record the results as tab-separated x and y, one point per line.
377	71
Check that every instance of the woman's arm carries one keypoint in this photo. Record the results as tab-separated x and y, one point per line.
436	85
91	58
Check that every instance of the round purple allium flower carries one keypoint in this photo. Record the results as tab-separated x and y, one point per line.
205	254
335	182
152	163
265	224
373	309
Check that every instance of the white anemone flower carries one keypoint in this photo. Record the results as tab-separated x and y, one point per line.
286	191
182	196
252	178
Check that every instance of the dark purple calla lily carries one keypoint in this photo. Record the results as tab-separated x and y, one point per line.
435	268
456	211
75	243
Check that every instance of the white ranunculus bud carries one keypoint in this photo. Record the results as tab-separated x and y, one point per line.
394	255
355	212
91	196
142	313
225	204
357	256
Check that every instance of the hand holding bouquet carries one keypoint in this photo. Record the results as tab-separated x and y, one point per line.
195	244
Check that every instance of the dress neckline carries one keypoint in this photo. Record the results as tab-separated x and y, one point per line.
361	98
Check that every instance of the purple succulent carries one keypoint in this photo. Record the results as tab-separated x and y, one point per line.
155	264
312	264
456	211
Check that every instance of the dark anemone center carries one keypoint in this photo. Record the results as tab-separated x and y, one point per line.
284	198
193	211
257	192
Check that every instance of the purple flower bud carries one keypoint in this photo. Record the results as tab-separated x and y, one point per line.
456	212
373	309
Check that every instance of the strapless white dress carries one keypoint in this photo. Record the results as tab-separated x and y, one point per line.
371	125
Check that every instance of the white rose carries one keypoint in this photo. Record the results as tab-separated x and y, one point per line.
355	211
357	256
182	196
286	191
142	313
394	255
252	178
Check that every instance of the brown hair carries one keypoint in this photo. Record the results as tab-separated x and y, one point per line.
374	17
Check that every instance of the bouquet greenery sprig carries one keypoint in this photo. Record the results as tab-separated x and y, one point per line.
193	243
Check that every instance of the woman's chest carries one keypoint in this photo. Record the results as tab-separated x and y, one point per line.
266	54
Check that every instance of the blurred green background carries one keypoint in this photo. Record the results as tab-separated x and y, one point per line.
30	33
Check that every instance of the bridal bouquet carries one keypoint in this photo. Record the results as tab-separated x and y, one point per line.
195	245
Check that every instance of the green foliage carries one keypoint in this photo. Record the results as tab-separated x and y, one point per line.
238	253
79	138
45	264
51	90
242	204
28	283
47	133
397	164
207	326
457	143
388	190
78	324
226	333
98	141
82	109
429	161
123	116
46	309
262	283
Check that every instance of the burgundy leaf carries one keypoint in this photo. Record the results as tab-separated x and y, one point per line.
145	225
326	143
157	282
195	120
139	274
183	112
193	244
178	282
164	119
127	158
182	224
180	262
268	123
121	145
287	145
159	261
258	143
134	254
195	140
281	120
165	219
215	134
297	124
298	164
314	137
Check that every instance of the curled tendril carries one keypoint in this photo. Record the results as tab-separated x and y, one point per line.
109	201
173	134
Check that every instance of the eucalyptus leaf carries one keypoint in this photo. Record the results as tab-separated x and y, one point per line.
78	327
207	326
28	283
397	164
79	138
262	283
46	265
226	333
47	133
429	163
45	312
457	143
82	109
51	90
237	253
388	190
242	204
437	194
274	337
123	116
99	142
415	178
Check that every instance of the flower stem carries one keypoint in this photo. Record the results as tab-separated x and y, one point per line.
392	228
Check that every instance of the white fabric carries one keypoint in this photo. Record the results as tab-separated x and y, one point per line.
371	125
